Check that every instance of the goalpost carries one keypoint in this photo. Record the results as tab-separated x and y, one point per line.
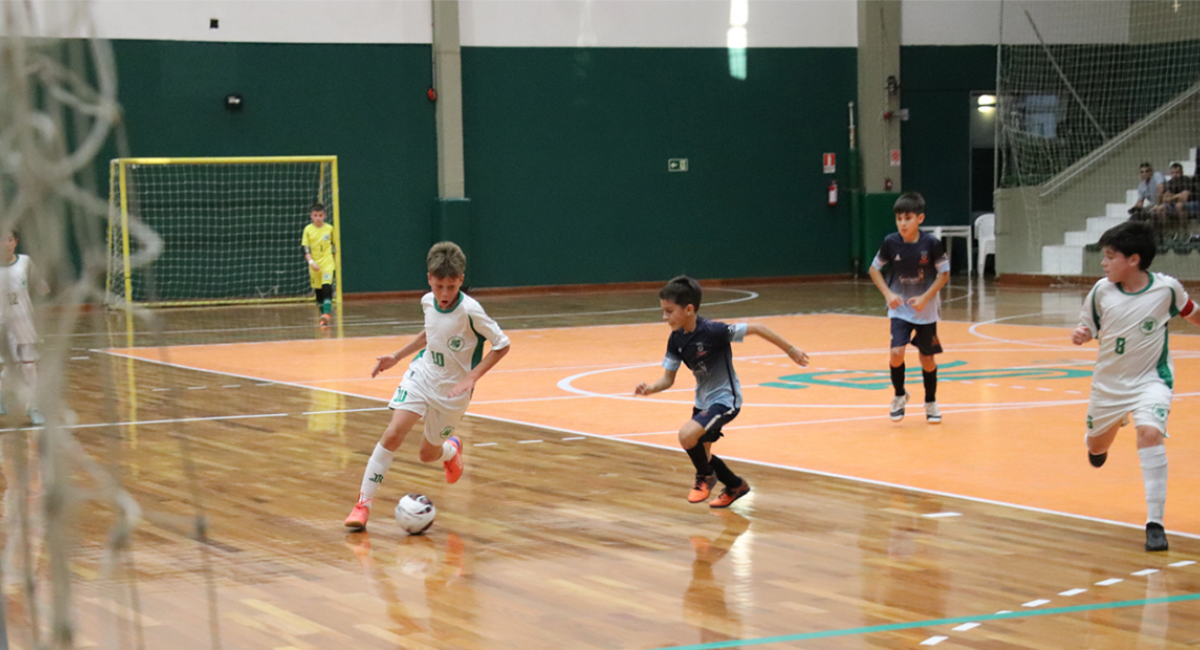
229	229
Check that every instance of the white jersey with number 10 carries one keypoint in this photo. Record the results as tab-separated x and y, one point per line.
453	346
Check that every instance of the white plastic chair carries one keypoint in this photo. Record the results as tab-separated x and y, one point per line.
985	232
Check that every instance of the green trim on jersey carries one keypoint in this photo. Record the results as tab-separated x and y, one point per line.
1135	293
419	354
1174	311
1095	312
477	356
452	307
1164	361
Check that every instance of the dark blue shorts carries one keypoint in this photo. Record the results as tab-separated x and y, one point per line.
923	336
712	419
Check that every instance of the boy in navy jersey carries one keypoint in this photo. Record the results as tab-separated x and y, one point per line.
703	346
919	269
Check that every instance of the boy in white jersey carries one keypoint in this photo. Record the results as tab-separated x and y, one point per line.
16	319
1128	312
440	379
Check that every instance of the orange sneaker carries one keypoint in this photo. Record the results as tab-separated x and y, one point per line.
730	495
702	488
358	516
324	320
454	466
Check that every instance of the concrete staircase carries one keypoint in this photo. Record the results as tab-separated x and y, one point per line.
1067	258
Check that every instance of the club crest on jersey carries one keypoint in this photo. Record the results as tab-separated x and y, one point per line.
1148	326
446	432
1161	411
455	343
700	350
924	257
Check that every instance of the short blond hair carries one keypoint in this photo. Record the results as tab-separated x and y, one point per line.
446	260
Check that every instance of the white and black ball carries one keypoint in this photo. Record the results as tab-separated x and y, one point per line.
415	512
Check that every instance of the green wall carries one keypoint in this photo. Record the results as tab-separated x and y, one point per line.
566	163
566	152
936	84
365	104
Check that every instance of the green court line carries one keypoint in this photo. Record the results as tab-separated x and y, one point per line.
932	623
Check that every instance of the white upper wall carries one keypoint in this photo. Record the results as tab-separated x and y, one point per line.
977	22
504	23
655	23
590	23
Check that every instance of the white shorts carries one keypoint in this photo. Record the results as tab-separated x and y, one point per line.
1150	406
440	421
22	352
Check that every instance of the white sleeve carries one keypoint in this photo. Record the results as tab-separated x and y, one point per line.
484	326
1089	315
1179	297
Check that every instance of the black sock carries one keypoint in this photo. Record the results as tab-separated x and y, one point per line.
930	377
724	474
699	456
898	379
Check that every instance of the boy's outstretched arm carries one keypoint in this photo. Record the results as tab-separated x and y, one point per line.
795	354
385	362
666	381
893	300
1190	313
468	383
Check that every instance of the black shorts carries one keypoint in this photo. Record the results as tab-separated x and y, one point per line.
923	336
712	419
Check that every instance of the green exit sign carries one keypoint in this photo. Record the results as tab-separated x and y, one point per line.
677	164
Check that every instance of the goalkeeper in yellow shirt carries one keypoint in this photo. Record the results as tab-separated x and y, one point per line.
318	250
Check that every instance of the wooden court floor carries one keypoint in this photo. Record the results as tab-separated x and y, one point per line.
570	529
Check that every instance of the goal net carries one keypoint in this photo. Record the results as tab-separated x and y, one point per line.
230	228
1089	90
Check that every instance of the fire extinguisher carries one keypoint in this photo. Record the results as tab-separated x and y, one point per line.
832	193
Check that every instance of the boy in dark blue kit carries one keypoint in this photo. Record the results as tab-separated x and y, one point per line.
919	269
703	346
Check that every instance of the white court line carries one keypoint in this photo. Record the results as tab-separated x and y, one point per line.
1071	592
1144	572
940	515
746	297
575	438
484	444
1109	582
934	640
1035	603
965	626
527	442
139	423
1183	563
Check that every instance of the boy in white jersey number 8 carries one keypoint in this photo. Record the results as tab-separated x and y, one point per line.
1128	312
440	379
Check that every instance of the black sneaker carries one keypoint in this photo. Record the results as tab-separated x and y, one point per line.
1156	537
1097	460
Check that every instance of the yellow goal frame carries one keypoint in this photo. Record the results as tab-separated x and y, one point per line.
119	208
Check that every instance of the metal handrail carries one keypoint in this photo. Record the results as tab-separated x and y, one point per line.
1078	167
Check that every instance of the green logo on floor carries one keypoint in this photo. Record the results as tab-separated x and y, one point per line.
880	380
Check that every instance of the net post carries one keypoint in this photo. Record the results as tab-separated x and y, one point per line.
125	235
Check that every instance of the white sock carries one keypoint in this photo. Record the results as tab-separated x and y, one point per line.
448	451
30	372
1154	475
381	460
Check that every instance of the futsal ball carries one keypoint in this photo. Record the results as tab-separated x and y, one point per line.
415	512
